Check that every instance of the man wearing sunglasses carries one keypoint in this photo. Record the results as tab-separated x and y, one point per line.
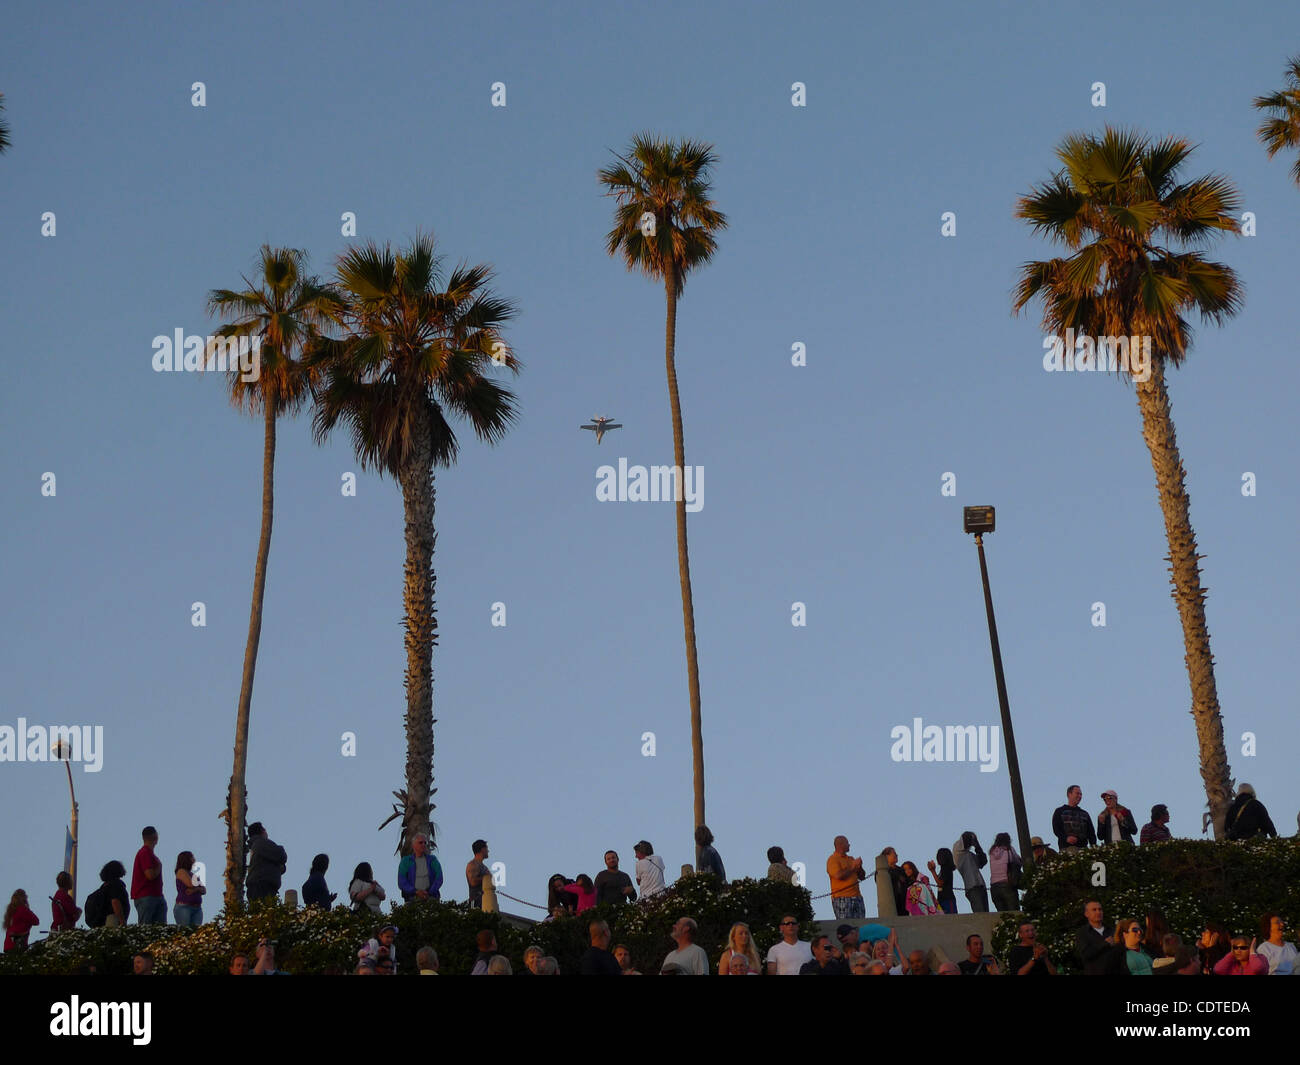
791	954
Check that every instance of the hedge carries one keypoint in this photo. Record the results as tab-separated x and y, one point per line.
312	941
1189	881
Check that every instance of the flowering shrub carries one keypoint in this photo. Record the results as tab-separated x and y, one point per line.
644	927
312	941
1189	881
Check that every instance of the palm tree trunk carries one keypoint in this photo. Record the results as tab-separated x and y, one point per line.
421	633
1158	431
237	795
683	557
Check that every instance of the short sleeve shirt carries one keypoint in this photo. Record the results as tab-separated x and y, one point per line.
789	958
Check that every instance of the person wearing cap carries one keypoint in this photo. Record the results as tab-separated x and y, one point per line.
848	937
1247	817
381	948
1072	823
1115	824
1040	850
1154	831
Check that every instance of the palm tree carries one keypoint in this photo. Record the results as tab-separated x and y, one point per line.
414	349
1282	130
665	226
4	127
1120	209
284	310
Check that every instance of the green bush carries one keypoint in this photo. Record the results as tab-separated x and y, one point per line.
644	927
1189	881
311	941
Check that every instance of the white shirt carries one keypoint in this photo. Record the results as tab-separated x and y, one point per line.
1281	960
650	876
692	959
789	957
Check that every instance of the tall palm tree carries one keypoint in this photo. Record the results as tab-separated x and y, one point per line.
4	127
665	225
1282	129
414	349
1127	220
285	309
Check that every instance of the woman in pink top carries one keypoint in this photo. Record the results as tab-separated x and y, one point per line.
584	890
19	921
1241	961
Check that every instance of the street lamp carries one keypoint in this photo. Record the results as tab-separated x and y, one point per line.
979	520
63	753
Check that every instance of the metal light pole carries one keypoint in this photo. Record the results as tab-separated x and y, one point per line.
979	520
63	753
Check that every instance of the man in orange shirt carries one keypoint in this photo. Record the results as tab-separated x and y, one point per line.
845	873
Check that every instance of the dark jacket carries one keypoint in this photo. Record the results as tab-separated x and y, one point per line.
898	881
710	861
315	892
599	962
1100	957
1073	821
1127	826
1247	818
266	862
834	967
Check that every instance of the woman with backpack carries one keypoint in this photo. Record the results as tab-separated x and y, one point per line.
109	905
1004	873
19	921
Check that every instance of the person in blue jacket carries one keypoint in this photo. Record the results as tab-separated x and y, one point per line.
419	876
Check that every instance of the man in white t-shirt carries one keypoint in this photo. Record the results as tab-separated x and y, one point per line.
789	956
688	958
649	870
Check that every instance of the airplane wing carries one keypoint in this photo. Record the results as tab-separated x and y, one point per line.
614	425
593	428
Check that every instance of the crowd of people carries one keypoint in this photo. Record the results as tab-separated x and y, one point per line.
915	894
870	949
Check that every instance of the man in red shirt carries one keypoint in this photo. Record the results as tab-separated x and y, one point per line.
147	883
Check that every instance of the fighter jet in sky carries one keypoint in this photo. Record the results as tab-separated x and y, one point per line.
601	424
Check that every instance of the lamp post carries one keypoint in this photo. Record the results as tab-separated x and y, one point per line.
979	520
63	753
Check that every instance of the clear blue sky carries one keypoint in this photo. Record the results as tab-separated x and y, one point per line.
822	482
